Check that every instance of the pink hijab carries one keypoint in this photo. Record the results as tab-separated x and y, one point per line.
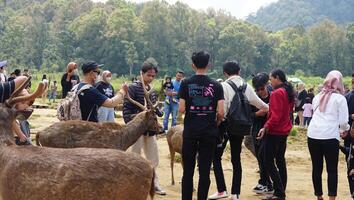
332	84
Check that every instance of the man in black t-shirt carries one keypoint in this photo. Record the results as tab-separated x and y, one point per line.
91	99
104	86
201	99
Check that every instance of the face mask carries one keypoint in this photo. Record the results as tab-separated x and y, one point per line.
108	79
76	72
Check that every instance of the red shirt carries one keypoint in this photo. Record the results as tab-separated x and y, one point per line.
278	119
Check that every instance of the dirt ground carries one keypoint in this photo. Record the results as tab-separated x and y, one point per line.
297	155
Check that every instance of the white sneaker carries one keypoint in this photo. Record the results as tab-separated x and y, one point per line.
235	197
159	191
259	189
218	195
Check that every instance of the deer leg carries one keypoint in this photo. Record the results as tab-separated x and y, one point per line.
172	155
182	166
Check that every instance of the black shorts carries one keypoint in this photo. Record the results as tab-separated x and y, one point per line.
6	89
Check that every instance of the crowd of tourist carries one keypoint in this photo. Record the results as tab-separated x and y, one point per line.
260	114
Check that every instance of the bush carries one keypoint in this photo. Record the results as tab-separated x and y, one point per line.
293	132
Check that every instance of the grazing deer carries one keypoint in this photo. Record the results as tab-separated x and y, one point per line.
73	134
33	173
174	139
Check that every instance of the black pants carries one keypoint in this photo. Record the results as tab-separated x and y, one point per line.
348	144
264	175
236	145
329	149
205	147
274	149
217	166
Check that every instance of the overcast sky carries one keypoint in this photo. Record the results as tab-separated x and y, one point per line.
238	8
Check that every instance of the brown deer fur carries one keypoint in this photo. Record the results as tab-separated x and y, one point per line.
73	134
174	139
33	173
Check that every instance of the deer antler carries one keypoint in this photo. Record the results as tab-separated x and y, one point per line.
147	94
40	89
19	90
135	102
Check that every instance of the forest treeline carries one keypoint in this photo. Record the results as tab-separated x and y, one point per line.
46	34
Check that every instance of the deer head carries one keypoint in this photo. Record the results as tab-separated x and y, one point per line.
151	117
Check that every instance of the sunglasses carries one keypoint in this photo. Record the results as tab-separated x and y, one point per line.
97	71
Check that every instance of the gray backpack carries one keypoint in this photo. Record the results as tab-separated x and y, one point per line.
69	108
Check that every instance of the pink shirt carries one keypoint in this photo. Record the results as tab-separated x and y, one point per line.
307	110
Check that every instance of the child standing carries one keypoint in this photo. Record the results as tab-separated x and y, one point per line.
307	111
53	91
23	126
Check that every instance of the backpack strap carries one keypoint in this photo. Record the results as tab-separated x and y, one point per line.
83	88
244	86
240	90
233	85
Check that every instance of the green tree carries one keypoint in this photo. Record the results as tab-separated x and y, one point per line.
131	56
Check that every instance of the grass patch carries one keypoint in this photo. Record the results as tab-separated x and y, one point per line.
293	132
178	158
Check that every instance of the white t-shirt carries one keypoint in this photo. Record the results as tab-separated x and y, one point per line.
328	125
251	95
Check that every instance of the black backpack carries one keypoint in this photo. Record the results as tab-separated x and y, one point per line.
239	117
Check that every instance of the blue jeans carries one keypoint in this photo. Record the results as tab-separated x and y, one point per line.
105	114
52	96
307	121
170	109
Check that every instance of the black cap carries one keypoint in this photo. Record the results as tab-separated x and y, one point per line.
90	66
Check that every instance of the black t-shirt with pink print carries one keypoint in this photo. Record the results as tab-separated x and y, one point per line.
201	95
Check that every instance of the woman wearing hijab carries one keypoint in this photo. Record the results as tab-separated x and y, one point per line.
104	86
329	123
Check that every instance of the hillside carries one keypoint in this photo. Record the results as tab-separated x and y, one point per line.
289	13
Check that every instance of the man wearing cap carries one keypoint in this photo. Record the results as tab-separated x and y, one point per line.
3	77
69	79
105	87
91	99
